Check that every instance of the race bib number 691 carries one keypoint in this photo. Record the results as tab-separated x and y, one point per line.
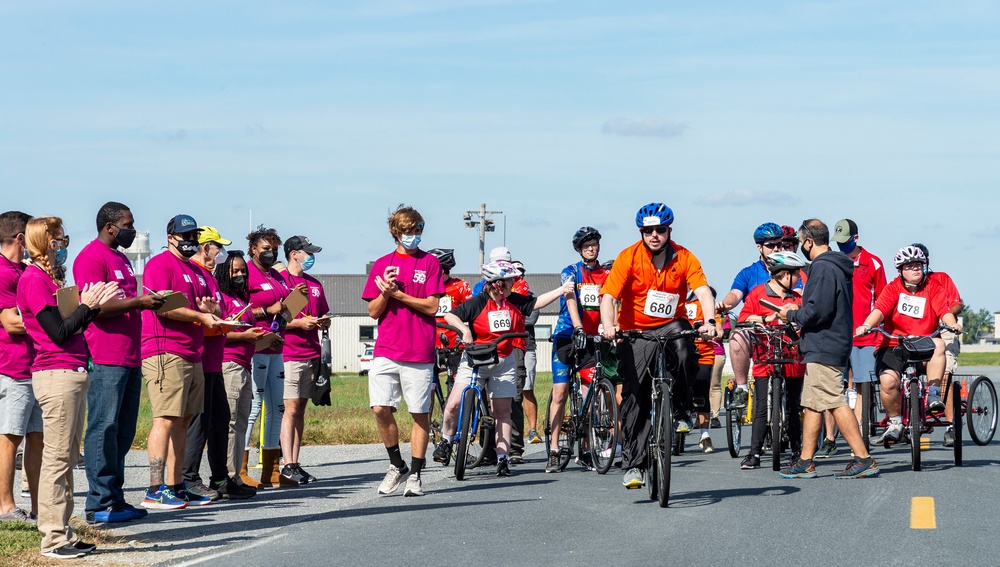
661	304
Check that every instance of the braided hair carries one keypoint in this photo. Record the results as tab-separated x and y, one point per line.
223	275
37	235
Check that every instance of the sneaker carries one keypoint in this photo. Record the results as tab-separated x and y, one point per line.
65	552
392	479
85	547
137	513
750	462
18	459
503	467
682	426
80	464
552	465
195	496
633	479
715	423
309	478
803	468
414	486
793	459
706	445
892	433
533	436
491	458
858	468
232	490
201	491
516	458
852	397
291	472
15	515
740	397
33	519
163	499
442	454
934	403
110	515
949	437
25	493
586	461
829	447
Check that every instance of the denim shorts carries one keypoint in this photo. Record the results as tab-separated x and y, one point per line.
20	413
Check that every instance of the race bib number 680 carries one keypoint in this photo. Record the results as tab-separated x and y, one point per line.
661	304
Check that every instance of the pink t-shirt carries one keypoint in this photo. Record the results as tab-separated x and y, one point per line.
16	351
266	289
240	352
35	291
211	350
113	341
161	335
301	344
403	334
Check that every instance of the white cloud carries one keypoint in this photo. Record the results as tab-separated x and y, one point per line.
746	197
646	127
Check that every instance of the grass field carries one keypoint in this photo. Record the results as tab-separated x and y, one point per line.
979	359
20	543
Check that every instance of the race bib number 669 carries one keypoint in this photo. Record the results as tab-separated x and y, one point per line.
500	321
661	304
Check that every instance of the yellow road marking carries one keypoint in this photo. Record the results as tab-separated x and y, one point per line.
925	443
922	513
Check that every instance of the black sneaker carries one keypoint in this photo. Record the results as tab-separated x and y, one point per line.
503	467
516	459
715	423
65	552
232	490
750	462
552	465
949	437
309	478
585	461
85	547
442	454
291	472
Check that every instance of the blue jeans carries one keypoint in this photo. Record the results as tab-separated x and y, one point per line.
269	388
112	410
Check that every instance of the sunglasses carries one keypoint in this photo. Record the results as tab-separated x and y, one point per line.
652	229
772	245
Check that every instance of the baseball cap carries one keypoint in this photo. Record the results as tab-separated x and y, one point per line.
499	253
211	234
181	224
843	231
302	243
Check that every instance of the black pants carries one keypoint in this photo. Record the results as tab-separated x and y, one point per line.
211	427
793	396
636	362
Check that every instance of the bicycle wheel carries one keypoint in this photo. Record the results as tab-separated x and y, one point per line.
981	410
734	431
956	422
485	434
916	423
602	419
866	415
662	460
565	441
436	414
465	432
776	416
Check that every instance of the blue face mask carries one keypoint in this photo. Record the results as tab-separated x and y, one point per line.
848	247
410	242
61	255
310	260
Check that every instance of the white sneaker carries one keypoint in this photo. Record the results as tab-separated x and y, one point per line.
414	486
392	479
852	397
706	445
892	432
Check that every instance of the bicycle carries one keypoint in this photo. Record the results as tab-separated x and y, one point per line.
438	397
737	418
661	414
475	419
592	418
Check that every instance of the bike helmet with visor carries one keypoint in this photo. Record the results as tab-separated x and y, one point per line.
767	232
654	214
784	261
584	234
446	256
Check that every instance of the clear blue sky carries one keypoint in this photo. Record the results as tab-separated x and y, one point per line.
321	117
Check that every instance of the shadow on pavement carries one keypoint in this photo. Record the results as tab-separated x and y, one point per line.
708	497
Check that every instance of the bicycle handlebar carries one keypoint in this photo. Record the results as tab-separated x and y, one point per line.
881	330
634	334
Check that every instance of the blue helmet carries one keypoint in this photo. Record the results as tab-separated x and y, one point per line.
768	231
654	214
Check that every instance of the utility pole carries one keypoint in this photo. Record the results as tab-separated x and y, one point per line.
484	221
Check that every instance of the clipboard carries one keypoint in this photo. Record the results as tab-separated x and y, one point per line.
294	304
172	300
769	305
68	300
264	342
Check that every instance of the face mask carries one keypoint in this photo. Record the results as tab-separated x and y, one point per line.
25	257
61	255
848	247
125	237
239	282
187	248
221	256
267	258
310	260
410	242
807	253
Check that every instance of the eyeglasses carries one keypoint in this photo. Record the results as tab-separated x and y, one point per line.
772	245
793	246
590	245
64	240
651	229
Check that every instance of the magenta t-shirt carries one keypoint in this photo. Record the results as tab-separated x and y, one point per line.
240	352
403	334
211	350
113	341
35	291
299	343
16	351
161	335
266	289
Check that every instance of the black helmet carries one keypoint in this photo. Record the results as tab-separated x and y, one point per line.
446	256
584	234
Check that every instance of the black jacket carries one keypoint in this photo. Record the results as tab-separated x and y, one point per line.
826	316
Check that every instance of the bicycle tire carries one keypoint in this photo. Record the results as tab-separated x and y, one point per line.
734	431
662	459
436	415
866	415
564	443
571	428
981	411
602	426
956	423
916	423
485	436
467	409
776	415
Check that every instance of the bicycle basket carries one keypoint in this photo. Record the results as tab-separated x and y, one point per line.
920	349
482	354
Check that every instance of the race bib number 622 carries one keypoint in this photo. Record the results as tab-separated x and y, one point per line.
661	304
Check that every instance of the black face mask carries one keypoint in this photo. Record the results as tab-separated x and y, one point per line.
187	248
125	237
267	258
239	282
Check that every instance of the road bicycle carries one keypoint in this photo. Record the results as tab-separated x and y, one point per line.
438	395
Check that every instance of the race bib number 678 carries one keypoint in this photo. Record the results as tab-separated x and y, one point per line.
661	304
911	306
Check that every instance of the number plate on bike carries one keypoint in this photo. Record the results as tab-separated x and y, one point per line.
661	304
500	321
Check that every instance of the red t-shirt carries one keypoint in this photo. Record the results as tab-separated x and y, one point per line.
869	281
761	351
456	292
488	320
910	313
951	296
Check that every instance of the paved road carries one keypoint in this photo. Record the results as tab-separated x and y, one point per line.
718	514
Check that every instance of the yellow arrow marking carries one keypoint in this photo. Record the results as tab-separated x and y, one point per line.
922	513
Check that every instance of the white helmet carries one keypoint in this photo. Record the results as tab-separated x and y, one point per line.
499	270
784	261
908	255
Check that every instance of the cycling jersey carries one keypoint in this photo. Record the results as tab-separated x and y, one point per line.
751	277
947	285
456	292
910	313
588	298
706	349
869	281
488	319
752	306
652	298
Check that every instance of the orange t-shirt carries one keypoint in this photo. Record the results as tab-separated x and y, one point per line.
706	350
651	298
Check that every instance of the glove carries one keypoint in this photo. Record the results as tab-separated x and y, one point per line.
579	339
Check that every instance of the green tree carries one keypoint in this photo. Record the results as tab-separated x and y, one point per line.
975	324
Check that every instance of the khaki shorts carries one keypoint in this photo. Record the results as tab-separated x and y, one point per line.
389	380
500	378
300	378
823	387
952	346
175	386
